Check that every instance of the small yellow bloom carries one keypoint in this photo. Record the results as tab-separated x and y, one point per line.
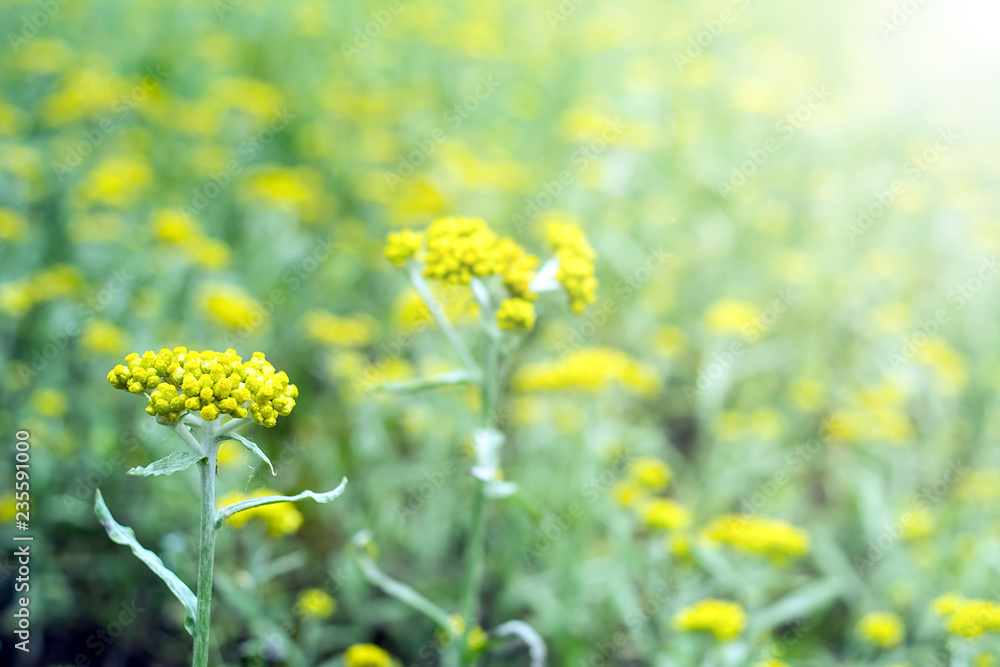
724	620
231	306
329	329
316	603
730	316
49	402
881	629
651	473
576	264
366	655
626	493
13	226
665	514
516	314
588	369
103	338
768	537
279	518
402	245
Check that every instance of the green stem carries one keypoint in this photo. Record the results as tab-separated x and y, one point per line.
206	550
474	562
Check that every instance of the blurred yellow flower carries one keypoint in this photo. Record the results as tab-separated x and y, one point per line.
651	473
316	603
366	655
13	226
775	539
49	402
807	394
967	618
588	369
296	191
402	245
730	316
118	181
231	306
101	337
664	514
724	620
881	629
950	368
328	329
279	518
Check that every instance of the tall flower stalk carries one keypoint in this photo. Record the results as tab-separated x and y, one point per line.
505	280
205	397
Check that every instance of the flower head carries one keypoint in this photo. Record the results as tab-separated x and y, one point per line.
967	618
665	514
280	518
724	620
210	383
881	629
651	473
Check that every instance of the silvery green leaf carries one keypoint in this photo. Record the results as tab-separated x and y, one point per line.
252	446
124	535
229	510
168	465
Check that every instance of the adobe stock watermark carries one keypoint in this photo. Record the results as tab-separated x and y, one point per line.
913	170
554	525
713	29
122	107
292	279
579	160
246	151
363	35
785	128
598	315
637	617
32	23
85	312
900	15
795	461
102	640
910	345
929	494
458	113
751	332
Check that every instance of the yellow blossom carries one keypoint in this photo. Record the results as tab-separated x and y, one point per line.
651	473
516	314
208	382
328	329
730	316
316	603
366	655
279	518
664	514
117	181
881	629
231	306
49	402
576	264
402	245
589	369
13	226
969	618
724	620
775	539
102	337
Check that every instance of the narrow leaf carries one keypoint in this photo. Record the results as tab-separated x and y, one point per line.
252	446
168	465
229	510
126	536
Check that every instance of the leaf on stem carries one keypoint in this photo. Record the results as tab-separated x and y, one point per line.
252	446
229	510
168	465
124	535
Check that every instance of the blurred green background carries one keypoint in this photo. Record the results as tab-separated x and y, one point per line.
794	211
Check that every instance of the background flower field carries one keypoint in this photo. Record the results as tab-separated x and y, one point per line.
782	396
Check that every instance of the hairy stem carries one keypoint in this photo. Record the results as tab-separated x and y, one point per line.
206	549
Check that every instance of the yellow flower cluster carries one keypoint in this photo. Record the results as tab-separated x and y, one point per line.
724	620
402	245
366	655
876	413
328	329
516	314
768	537
665	514
211	383
459	248
647	475
590	369
881	629
576	264
280	518
969	618
316	603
